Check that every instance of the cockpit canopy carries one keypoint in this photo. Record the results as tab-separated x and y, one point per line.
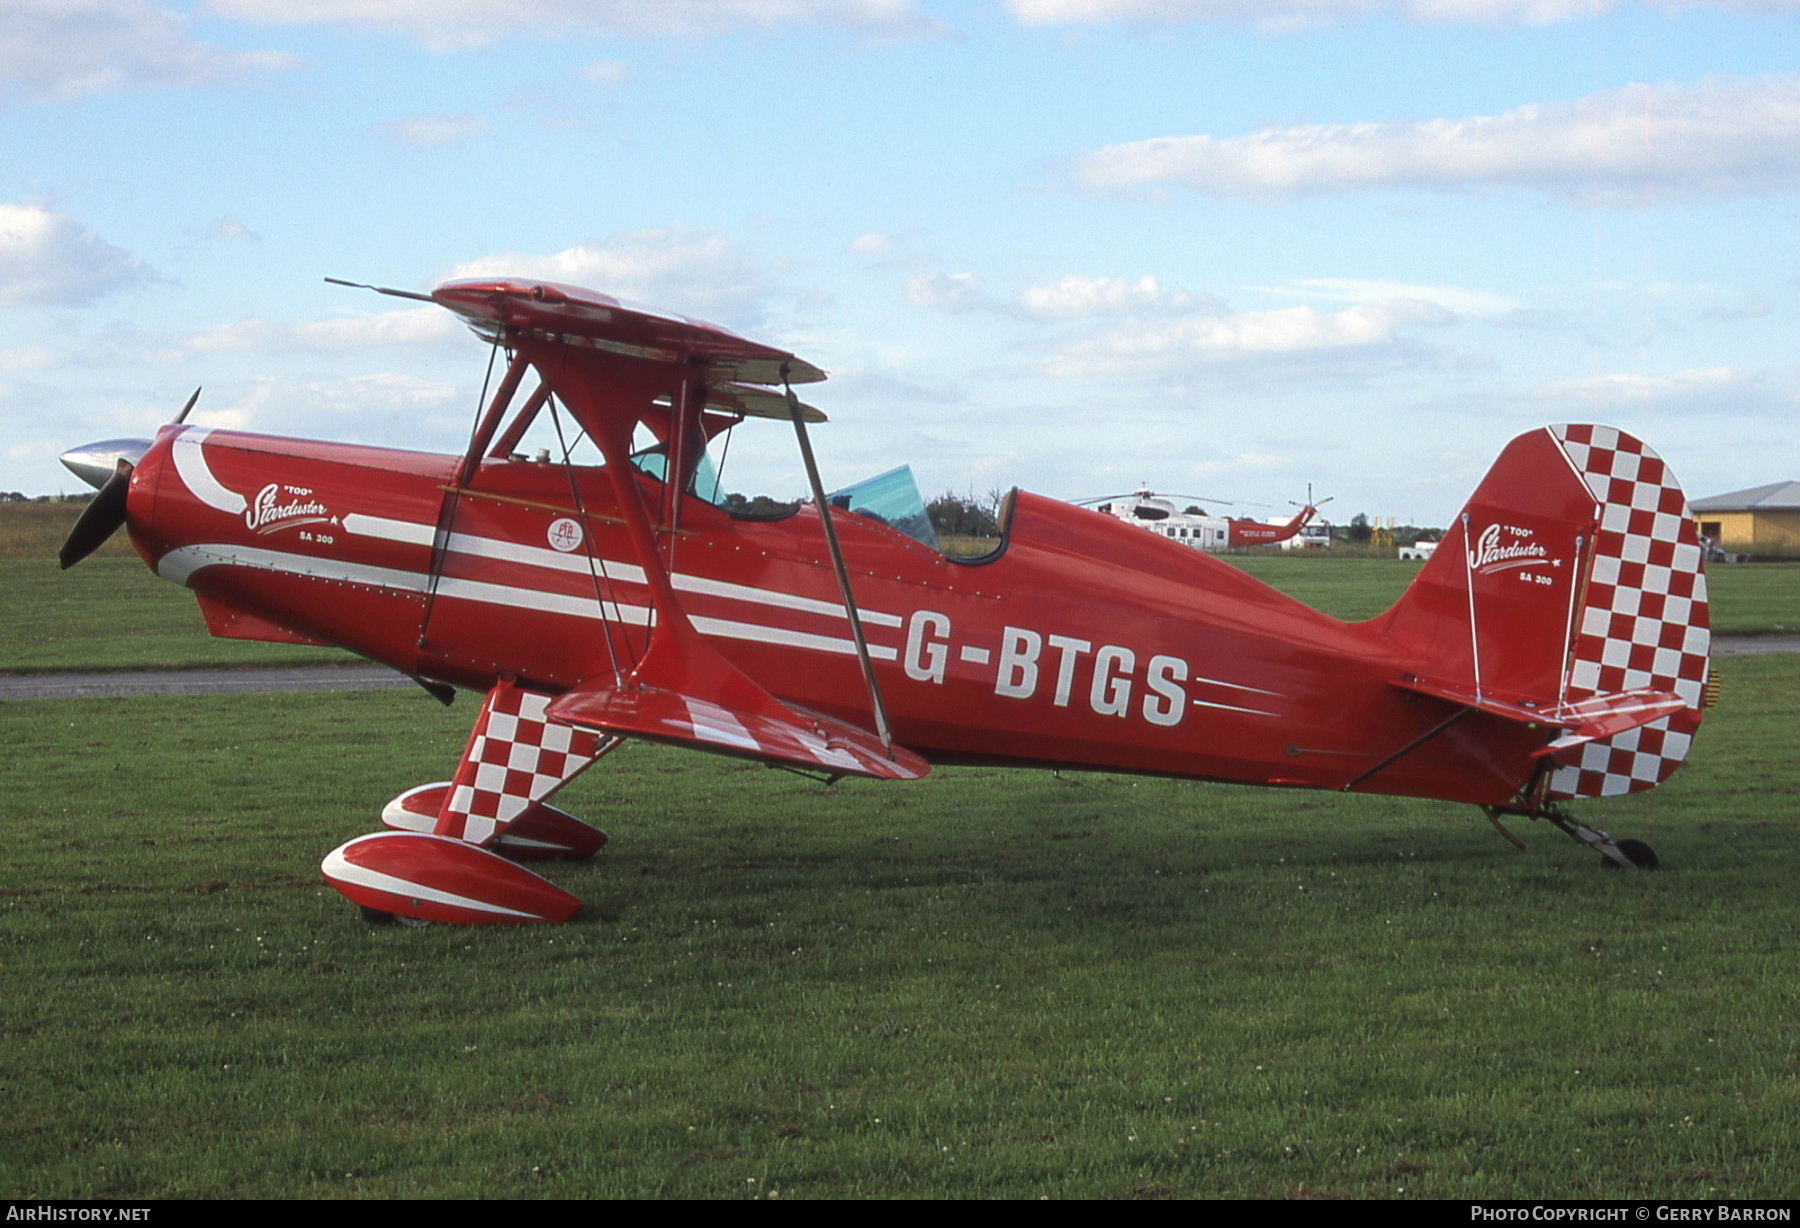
891	498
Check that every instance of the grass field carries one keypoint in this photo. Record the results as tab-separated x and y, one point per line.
985	984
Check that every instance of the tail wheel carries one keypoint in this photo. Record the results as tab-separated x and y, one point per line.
1637	852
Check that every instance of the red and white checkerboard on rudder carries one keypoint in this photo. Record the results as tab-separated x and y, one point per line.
1643	622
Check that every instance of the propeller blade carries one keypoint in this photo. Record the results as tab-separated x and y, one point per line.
99	520
185	409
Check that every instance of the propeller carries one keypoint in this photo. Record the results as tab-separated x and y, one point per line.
100	519
108	466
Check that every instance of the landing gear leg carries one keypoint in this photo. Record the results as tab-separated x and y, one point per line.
1614	854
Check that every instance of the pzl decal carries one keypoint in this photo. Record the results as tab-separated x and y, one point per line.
565	534
285	507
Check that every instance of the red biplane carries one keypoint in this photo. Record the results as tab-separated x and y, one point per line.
1555	649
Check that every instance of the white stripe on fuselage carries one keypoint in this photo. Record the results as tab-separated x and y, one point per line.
180	564
197	475
412	533
191	466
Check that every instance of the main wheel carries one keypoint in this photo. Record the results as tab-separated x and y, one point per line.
1636	852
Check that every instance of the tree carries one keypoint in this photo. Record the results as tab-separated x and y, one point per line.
1359	528
759	507
954	515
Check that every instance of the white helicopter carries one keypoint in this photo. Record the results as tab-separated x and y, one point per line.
1160	513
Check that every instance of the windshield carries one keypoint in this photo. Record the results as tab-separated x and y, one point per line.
655	462
891	498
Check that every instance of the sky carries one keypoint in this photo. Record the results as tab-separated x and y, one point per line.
1222	248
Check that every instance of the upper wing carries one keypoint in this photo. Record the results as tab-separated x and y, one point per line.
551	311
616	366
749	401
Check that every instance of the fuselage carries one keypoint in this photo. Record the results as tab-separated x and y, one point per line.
1080	642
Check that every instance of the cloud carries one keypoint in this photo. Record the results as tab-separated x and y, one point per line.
29	358
1467	303
1630	145
50	260
685	271
605	73
434	131
412	326
1075	297
452	25
309	405
1160	344
381	391
231	228
948	292
874	243
1693	390
1305	14
73	48
666	268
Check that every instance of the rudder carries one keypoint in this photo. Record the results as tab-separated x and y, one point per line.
1574	574
1645	620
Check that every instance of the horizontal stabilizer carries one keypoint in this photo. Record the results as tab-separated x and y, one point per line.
1599	716
773	731
1605	716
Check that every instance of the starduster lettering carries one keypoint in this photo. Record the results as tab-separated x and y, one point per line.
267	513
1489	554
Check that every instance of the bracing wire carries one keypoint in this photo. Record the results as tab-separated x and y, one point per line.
440	543
724	456
596	564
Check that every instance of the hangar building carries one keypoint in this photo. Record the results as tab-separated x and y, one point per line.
1761	518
